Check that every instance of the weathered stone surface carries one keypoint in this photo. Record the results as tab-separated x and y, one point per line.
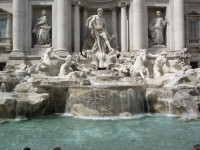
159	100
22	88
46	81
14	105
80	110
126	114
183	98
160	81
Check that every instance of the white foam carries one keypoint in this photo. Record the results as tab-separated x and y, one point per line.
137	116
67	115
20	119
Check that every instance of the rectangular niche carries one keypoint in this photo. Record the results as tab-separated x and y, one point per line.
157	27
36	14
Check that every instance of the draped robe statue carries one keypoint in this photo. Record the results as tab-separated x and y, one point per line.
42	30
156	28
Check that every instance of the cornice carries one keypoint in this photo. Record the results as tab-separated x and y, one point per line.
157	1
101	3
6	1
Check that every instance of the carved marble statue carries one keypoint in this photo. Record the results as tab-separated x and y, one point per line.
65	68
2	87
139	68
46	66
98	31
181	61
160	61
185	56
42	30
156	28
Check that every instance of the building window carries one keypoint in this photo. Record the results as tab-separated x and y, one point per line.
194	65
3	26
2	66
193	29
193	32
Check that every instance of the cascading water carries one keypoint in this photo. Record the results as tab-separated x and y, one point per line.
148	108
105	100
170	106
18	109
66	105
3	87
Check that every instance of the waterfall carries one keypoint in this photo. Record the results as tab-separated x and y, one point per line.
66	104
123	97
170	107
3	87
105	100
18	111
95	102
148	109
169	104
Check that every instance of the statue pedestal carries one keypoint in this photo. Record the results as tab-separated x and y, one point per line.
42	46
158	46
38	49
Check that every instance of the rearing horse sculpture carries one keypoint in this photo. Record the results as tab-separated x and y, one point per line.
139	68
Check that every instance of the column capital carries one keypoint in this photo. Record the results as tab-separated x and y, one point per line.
113	8
123	3
75	3
85	8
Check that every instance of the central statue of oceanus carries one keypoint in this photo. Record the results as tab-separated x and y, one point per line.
98	31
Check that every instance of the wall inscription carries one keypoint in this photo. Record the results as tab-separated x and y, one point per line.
157	1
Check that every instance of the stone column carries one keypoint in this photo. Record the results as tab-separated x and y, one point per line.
138	25
62	28
76	26
18	27
179	28
123	26
8	32
85	17
114	24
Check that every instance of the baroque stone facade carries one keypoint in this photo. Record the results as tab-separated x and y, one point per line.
39	24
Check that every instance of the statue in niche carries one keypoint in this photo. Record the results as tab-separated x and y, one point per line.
156	28
160	61
98	31
42	30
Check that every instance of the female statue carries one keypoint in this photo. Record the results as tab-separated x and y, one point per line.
42	30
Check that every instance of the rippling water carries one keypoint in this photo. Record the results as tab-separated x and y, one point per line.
140	133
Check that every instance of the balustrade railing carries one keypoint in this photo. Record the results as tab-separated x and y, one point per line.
5	41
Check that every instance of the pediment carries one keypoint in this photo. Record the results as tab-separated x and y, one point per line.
193	13
2	11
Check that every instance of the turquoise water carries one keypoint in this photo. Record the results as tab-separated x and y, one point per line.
145	133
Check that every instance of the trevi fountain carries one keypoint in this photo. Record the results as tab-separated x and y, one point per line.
104	96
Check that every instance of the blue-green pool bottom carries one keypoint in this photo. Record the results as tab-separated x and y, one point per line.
143	133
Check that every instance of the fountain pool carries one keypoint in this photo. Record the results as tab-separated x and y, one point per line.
140	133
